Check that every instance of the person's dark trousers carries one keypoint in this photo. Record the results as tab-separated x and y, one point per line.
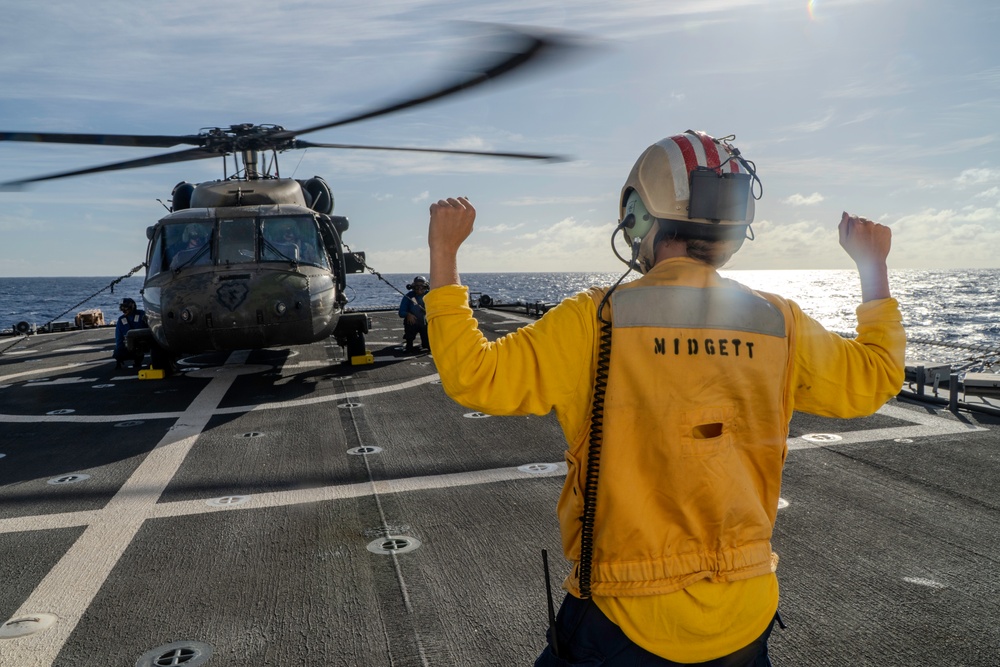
588	638
410	332
125	355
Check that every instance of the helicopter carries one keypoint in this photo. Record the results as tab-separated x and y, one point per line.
255	259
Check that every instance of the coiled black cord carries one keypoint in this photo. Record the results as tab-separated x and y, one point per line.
594	458
597	432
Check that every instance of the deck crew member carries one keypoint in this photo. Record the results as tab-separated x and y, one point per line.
131	318
411	309
694	388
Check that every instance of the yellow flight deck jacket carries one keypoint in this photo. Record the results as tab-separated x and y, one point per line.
704	376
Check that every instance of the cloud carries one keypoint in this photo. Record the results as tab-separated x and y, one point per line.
783	245
990	76
947	238
862	117
815	125
799	200
499	229
423	196
978	176
545	201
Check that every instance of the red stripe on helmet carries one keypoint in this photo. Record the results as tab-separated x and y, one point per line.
683	142
711	150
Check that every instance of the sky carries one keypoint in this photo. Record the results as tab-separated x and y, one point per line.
884	108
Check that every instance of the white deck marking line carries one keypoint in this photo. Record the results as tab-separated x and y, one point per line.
70	586
281	405
319	364
99	419
360	489
75	379
87	419
924	425
51	369
284	498
21	524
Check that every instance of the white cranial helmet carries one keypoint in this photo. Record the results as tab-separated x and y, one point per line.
694	184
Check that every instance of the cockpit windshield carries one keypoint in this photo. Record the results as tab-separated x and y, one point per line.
188	244
286	239
291	238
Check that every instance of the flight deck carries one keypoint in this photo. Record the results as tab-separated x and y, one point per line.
280	507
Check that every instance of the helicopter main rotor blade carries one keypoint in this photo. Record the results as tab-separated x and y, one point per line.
530	49
167	158
413	149
139	140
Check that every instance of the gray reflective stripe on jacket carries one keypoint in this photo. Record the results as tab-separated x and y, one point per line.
696	308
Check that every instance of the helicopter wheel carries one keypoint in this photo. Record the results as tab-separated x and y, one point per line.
162	359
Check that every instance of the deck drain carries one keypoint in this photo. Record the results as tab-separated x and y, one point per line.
537	468
29	624
101	386
64	411
251	434
227	501
782	503
475	415
69	479
129	424
367	449
393	544
348	406
821	437
176	654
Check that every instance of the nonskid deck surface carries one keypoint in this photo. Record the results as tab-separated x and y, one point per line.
277	507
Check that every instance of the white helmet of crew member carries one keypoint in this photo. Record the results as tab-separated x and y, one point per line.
657	193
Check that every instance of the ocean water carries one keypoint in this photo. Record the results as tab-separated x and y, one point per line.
951	307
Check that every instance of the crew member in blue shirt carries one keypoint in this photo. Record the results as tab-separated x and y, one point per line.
411	309
131	318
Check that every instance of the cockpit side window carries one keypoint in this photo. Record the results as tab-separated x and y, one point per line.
155	259
237	240
292	239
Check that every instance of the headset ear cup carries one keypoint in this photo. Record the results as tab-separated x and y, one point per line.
642	220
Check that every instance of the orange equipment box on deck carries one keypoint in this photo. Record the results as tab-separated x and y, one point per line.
90	318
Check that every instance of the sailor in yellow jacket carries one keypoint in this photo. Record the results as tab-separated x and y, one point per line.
676	423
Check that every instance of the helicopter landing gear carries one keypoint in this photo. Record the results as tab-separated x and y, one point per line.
350	333
161	362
